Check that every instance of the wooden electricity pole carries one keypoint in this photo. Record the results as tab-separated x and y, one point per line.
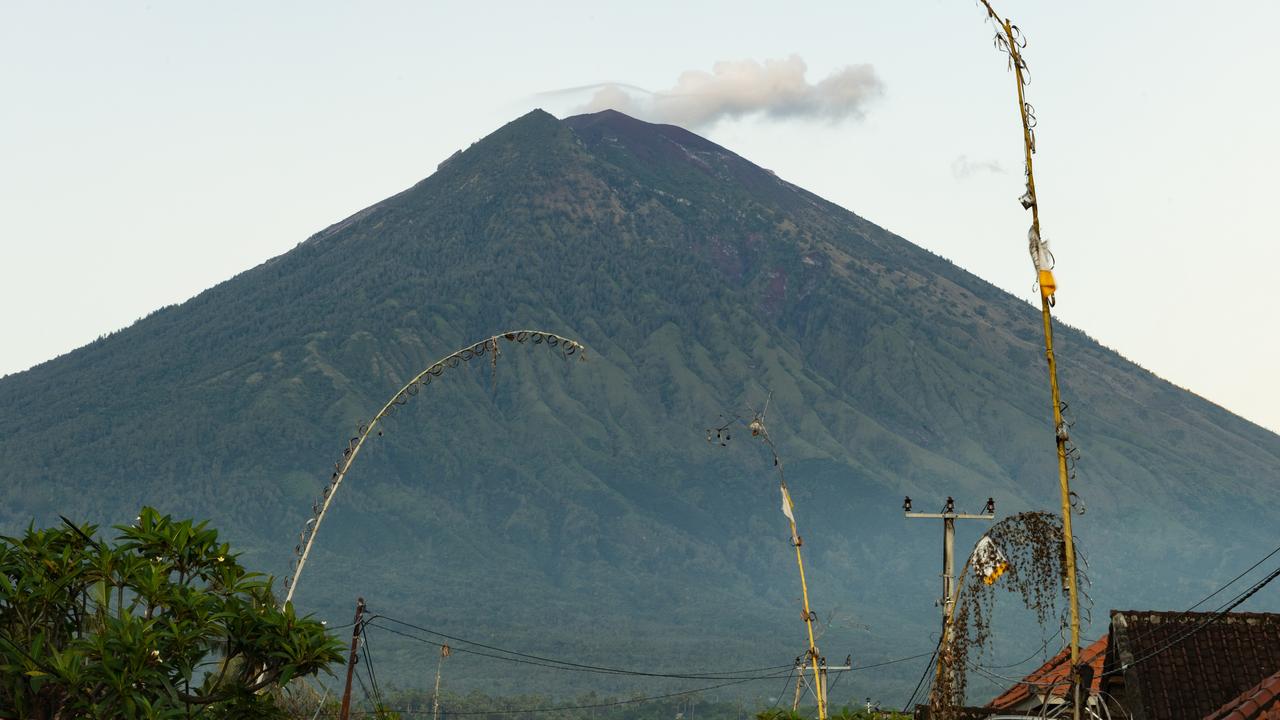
351	661
949	517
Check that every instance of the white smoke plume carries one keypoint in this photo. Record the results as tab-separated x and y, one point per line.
964	167
733	89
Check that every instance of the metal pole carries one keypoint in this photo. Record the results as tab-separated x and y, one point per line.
949	588
948	582
823	679
948	562
351	661
800	683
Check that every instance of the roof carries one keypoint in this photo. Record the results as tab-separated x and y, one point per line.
1057	671
1260	702
1187	665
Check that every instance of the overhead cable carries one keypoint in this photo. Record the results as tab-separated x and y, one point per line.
528	658
1182	615
1218	615
928	666
615	703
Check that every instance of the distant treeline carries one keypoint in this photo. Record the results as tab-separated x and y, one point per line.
591	706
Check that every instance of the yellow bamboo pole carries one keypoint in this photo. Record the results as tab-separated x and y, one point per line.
1048	286
1068	541
808	616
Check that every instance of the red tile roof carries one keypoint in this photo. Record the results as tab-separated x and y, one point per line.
1173	665
1260	702
1057	670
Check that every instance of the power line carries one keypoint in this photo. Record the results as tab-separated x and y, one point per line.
1180	616
538	660
367	651
1218	615
785	684
363	688
1206	598
887	662
732	677
555	665
692	675
1231	582
1000	678
1034	653
615	703
928	666
834	683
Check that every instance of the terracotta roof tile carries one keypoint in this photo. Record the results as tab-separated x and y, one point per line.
1260	702
1056	670
1175	665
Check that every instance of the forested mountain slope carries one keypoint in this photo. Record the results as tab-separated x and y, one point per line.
578	510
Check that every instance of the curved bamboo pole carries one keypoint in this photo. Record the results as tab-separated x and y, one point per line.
1043	261
568	348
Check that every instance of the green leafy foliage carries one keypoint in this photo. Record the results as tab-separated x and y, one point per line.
163	623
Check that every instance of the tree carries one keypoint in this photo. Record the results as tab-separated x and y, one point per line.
165	623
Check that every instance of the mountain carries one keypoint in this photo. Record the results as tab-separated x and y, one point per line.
578	510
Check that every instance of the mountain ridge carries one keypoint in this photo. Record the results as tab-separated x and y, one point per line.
701	283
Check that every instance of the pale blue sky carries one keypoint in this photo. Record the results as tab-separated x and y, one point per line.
150	151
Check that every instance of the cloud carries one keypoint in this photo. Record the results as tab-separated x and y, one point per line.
733	89
964	167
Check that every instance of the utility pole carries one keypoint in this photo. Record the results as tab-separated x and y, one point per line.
820	691
351	661
949	517
445	651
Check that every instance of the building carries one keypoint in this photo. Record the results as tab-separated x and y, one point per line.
1048	685
1260	702
1175	665
1155	665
